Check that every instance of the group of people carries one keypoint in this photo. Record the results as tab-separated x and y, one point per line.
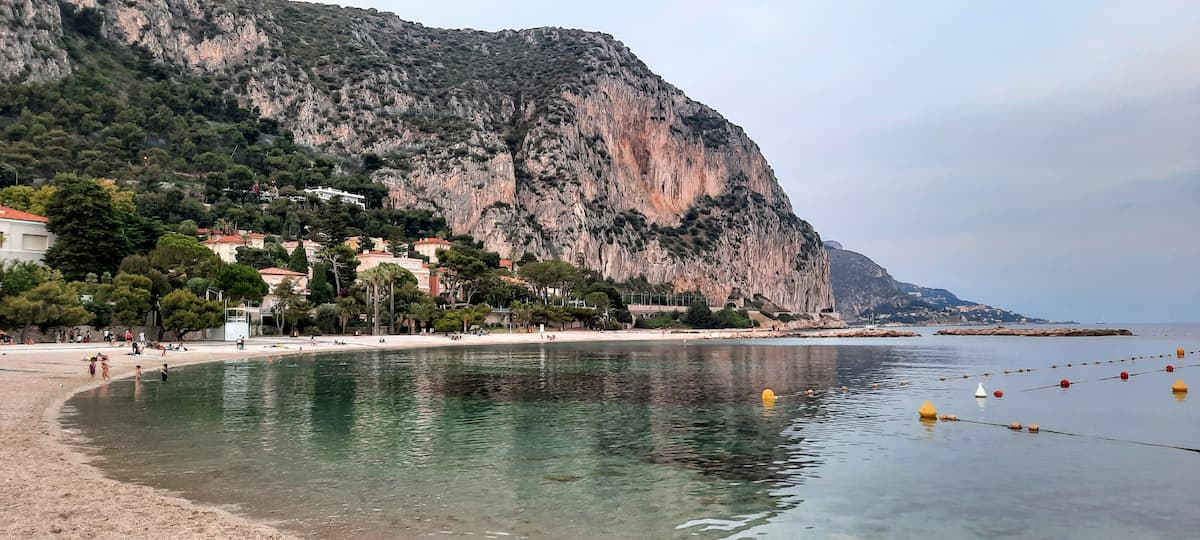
102	358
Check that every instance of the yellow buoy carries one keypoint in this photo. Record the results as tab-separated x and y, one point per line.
810	392
768	395
844	388
1179	387
927	411
1033	428
1015	426
1180	352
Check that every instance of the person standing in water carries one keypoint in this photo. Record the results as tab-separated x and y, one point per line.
163	371
92	369
104	368
137	373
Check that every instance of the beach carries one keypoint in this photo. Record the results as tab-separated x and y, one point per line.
49	489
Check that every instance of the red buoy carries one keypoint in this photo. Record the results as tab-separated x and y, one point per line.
1170	368
1124	375
998	394
1064	383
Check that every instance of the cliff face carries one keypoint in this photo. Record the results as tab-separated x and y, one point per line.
556	142
29	48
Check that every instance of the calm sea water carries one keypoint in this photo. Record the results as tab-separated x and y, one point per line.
672	440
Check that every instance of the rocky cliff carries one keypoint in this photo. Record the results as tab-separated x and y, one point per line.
555	142
29	48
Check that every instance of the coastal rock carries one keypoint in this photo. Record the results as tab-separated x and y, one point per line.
1035	332
555	142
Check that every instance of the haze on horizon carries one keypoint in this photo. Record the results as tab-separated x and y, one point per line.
1039	157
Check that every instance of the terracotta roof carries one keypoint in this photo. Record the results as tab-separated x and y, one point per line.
433	241
17	215
279	272
223	240
233	238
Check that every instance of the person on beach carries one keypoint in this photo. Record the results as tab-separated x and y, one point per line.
163	371
92	369
137	373
128	336
104	368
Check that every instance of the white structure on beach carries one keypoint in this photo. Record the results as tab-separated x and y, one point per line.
23	236
327	194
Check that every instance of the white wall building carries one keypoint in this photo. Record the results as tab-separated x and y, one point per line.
326	194
420	269
225	246
274	276
429	246
24	235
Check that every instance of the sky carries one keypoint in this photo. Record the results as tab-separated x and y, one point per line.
1042	157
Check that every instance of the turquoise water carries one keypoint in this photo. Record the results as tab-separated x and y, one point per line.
671	440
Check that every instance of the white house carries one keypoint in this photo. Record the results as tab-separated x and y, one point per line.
23	236
326	194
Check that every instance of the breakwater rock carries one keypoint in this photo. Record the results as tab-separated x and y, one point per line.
854	334
1035	332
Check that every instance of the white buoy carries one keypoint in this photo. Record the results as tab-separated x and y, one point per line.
980	392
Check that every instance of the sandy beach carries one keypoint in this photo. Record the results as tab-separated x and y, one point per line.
47	489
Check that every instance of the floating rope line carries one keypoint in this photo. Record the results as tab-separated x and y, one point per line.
1086	436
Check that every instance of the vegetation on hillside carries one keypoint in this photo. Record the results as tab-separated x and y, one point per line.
129	158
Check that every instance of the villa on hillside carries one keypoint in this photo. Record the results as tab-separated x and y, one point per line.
429	246
328	194
225	245
420	269
274	276
310	249
23	236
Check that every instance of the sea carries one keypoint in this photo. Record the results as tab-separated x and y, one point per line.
674	439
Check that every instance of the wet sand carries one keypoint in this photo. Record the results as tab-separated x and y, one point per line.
47	489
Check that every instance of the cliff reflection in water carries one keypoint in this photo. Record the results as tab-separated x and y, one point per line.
676	430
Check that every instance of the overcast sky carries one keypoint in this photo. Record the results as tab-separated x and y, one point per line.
1042	157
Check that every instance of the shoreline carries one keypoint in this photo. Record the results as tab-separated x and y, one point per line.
49	487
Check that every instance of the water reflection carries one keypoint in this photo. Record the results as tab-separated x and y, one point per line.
629	440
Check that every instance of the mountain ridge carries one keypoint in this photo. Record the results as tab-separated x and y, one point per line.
866	291
554	142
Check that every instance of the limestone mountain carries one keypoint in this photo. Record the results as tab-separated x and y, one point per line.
866	291
555	142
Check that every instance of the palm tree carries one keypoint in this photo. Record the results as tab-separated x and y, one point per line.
392	273
423	311
222	226
374	279
348	308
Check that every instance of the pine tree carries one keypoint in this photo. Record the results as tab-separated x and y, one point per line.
299	259
86	229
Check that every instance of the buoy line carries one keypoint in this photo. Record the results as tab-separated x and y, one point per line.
1083	435
813	392
1073	382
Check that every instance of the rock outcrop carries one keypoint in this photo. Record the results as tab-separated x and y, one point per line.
29	48
555	142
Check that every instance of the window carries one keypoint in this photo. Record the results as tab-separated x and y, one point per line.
33	242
